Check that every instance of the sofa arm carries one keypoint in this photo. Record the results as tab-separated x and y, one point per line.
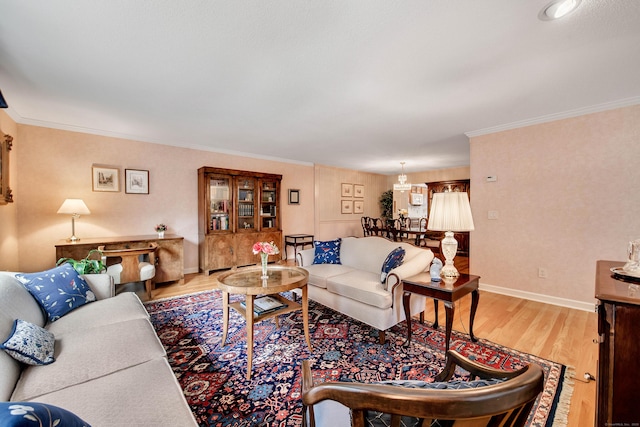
101	284
415	265
305	257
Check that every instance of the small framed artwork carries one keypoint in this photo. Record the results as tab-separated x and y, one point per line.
136	181
5	191
358	206
347	190
347	207
294	197
105	179
358	191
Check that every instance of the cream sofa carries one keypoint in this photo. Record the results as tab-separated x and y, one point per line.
354	287
110	367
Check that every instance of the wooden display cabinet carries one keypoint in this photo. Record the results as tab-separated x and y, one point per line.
462	185
235	210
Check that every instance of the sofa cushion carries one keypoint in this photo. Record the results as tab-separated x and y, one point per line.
30	414
319	273
30	344
89	354
361	286
122	307
327	252
393	260
58	290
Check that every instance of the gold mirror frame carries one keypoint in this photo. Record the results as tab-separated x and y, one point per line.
5	190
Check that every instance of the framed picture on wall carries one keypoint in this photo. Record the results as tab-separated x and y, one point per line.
136	181
106	179
294	197
358	191
347	190
347	207
358	206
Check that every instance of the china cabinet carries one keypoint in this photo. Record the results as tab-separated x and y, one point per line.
235	210
463	185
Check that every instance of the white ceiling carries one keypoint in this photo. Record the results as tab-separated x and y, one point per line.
360	84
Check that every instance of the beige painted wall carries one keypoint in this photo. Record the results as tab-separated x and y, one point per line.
53	165
566	196
9	212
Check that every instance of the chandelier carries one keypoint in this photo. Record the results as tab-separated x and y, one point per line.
402	185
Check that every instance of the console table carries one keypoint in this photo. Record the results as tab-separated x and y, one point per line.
169	256
619	348
296	240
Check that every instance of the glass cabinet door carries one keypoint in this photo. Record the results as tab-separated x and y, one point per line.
269	205
219	203
246	203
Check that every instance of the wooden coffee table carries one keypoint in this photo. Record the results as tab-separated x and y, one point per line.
247	281
447	291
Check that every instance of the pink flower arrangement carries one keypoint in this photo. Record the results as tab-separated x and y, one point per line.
268	248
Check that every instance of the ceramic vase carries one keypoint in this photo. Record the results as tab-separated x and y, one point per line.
161	234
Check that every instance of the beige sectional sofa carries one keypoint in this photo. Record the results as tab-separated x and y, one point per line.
110	368
354	286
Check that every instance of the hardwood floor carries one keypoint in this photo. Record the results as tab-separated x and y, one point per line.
552	332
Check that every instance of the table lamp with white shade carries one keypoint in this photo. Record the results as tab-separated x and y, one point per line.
75	208
450	212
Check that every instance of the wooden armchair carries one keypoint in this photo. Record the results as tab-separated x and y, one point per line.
128	265
505	403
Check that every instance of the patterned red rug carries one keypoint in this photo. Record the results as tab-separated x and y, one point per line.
214	378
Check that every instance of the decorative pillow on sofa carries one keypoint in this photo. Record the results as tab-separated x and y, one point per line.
30	414
327	252
394	259
30	344
58	291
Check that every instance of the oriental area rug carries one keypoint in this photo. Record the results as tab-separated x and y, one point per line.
214	377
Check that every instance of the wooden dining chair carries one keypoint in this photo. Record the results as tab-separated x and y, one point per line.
492	398
127	265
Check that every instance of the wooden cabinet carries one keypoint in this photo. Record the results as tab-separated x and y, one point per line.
619	348
169	256
235	210
462	185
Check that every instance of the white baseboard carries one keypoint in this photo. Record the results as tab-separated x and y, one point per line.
191	270
563	302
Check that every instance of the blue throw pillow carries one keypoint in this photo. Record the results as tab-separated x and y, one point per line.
33	414
58	291
394	259
327	252
30	344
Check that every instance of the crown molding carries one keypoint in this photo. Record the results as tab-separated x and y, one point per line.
556	116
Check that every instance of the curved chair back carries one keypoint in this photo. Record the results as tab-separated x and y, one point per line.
507	402
128	265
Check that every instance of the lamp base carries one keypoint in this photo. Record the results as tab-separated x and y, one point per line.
449	250
73	239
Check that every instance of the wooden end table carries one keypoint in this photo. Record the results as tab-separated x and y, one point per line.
447	291
247	281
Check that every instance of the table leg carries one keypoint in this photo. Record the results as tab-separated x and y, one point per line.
435	307
225	316
249	317
449	309
305	316
406	303
475	297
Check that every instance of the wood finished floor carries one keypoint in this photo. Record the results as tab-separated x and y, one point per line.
556	333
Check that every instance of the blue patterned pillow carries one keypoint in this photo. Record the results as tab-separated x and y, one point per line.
394	259
327	252
30	414
58	291
30	344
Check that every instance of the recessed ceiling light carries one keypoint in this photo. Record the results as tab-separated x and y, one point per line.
557	9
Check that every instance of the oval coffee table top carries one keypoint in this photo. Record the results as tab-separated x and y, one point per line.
247	281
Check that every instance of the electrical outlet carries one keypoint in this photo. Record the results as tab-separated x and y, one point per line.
542	273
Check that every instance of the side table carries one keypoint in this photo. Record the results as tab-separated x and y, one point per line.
296	240
447	291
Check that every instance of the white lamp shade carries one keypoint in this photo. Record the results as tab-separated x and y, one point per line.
74	207
450	212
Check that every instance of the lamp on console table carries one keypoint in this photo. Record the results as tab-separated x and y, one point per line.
74	207
450	212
